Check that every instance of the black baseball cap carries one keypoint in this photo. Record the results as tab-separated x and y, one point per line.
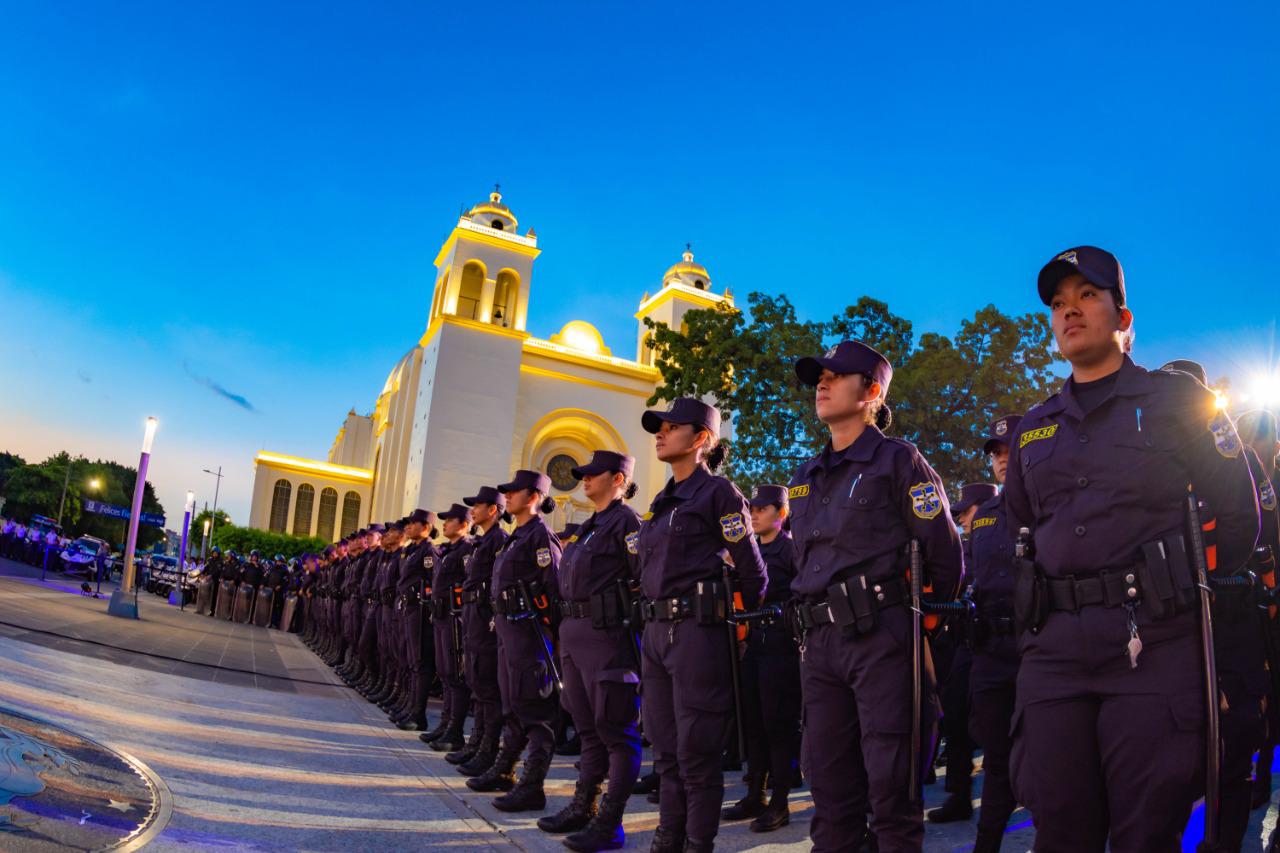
526	479
972	494
770	495
458	512
1098	266
844	359
1186	365
1001	431
419	516
487	495
683	410
606	460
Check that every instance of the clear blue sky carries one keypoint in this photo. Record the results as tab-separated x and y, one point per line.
203	202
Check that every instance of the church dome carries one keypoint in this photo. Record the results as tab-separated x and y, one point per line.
582	336
688	273
493	213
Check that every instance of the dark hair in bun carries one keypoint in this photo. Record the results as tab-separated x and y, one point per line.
547	506
630	491
507	517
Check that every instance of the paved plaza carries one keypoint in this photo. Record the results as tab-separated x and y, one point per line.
246	741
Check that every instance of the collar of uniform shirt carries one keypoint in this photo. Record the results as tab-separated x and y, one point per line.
687	487
862	449
1132	380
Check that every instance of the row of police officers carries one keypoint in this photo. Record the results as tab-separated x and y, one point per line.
1130	526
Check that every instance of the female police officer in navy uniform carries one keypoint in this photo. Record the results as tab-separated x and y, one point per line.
598	654
686	674
525	588
1109	726
770	676
448	574
855	508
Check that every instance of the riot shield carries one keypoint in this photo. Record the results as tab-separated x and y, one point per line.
262	606
204	591
290	607
226	598
244	603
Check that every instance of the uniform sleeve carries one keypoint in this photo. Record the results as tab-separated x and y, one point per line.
548	551
630	530
1017	508
927	512
1220	475
735	530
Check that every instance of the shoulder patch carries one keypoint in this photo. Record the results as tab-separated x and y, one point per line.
1037	434
925	502
573	538
1224	435
1267	496
428	561
543	557
647	516
633	542
733	527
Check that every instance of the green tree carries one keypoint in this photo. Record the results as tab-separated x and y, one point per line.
242	540
944	393
9	462
32	490
196	534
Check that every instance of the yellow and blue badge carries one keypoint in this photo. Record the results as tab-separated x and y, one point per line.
543	557
733	527
1224	435
1037	435
1267	496
800	491
925	502
428	561
633	542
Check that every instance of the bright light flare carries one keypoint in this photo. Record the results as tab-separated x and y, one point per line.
150	434
1264	390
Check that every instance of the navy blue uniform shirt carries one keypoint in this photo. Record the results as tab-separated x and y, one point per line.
480	561
450	569
989	558
780	562
1093	488
689	523
855	511
604	550
531	554
417	560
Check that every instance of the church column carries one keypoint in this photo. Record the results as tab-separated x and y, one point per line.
451	288
486	300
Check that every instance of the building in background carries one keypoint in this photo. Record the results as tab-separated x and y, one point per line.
479	396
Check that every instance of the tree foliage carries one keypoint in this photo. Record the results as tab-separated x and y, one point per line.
242	540
944	393
196	534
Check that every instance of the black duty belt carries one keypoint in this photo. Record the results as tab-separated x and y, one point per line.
1110	589
475	596
882	594
575	609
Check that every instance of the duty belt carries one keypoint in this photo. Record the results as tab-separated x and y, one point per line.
476	596
1110	589
886	593
666	609
575	609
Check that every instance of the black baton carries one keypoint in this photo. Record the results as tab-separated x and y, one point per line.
917	570
1211	749
735	668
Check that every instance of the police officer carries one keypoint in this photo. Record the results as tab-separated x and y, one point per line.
1109	724
251	574
488	507
994	673
599	571
274	579
379	627
856	507
418	560
448	574
770	676
212	571
686	648
525	590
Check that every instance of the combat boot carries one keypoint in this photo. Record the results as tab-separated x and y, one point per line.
604	832
752	805
441	728
775	815
576	814
464	754
485	755
958	806
528	794
449	741
667	840
501	776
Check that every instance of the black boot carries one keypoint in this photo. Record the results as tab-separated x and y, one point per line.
646	784
501	775
604	832
576	814
528	794
468	752
667	840
752	805
445	722
957	806
485	754
775	815
699	845
450	740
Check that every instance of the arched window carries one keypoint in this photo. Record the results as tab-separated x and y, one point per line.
505	292
328	513
350	513
302	510
280	506
497	223
470	290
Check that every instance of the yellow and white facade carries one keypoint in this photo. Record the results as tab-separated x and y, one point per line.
480	396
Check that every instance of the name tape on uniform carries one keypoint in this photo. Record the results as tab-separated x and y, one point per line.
1037	434
798	491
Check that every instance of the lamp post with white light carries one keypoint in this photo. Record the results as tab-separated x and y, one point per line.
120	604
182	550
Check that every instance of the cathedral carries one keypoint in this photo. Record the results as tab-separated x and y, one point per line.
479	396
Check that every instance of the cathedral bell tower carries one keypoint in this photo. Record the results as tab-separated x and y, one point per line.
685	285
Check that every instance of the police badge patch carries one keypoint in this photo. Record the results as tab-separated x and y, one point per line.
543	557
1267	496
1002	427
925	502
428	562
633	542
1224	435
733	527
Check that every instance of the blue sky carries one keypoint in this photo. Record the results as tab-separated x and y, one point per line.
225	215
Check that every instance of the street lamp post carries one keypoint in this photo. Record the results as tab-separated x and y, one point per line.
204	547
182	551
120	604
216	486
66	481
